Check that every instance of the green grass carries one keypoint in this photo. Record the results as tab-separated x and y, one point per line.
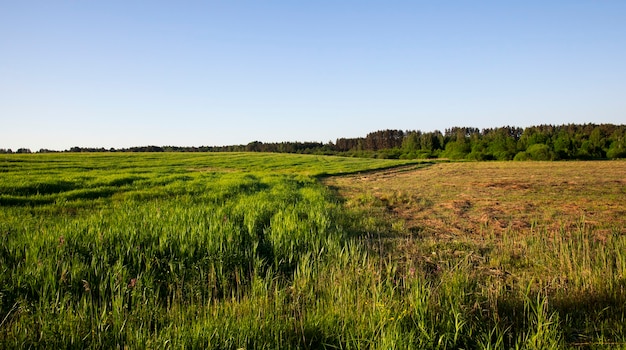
164	250
230	251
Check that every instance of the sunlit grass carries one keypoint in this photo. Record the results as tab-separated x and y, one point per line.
230	251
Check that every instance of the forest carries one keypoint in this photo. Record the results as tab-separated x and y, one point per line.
542	142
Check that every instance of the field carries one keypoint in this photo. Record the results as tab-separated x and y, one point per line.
244	250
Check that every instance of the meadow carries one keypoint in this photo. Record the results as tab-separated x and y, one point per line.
264	251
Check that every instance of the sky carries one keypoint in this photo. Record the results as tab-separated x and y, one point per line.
191	73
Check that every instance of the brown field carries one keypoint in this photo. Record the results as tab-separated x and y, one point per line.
483	198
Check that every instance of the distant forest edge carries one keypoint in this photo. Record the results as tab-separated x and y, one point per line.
543	142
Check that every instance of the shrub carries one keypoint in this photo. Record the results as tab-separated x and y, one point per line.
540	151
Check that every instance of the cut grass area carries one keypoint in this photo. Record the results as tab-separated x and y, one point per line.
452	199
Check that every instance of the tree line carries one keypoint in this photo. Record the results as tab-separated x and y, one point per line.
542	142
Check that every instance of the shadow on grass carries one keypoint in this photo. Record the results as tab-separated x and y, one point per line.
395	168
586	319
41	188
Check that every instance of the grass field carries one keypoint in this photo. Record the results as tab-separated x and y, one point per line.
254	251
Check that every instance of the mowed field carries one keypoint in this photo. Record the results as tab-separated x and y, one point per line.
481	198
263	251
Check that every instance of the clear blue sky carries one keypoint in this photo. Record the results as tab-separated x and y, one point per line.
190	73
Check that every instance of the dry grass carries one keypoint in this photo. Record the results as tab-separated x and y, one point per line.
460	199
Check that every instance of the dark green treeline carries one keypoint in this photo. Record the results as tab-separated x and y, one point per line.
543	142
